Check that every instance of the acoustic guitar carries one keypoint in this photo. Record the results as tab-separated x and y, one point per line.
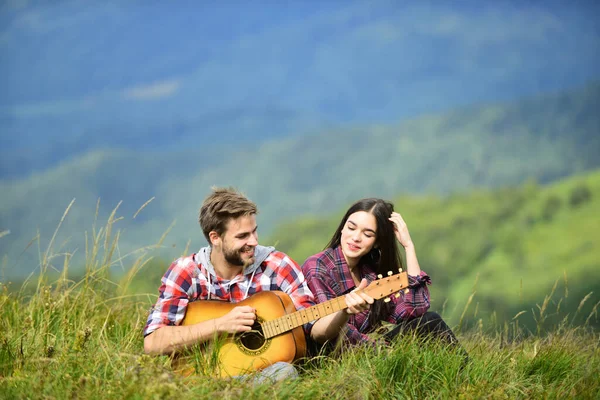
277	333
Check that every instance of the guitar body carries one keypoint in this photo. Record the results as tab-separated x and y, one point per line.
247	352
276	335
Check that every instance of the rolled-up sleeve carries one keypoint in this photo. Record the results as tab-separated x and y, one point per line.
415	302
173	298
291	280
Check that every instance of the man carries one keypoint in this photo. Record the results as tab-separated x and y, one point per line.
233	267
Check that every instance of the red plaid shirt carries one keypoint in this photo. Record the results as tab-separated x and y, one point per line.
187	280
328	277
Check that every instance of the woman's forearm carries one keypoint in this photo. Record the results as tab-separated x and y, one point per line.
329	327
412	263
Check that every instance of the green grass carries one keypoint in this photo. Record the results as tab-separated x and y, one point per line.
64	339
80	342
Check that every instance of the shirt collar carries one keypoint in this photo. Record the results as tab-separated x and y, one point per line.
343	271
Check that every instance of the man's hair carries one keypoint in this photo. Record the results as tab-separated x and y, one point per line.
222	205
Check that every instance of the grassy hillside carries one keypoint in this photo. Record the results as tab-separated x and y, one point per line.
83	339
543	138
507	245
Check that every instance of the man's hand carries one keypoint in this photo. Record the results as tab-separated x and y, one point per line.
358	302
240	319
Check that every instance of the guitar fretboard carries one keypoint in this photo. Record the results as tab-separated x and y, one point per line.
376	289
290	321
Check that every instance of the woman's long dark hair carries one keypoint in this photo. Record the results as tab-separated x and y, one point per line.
384	256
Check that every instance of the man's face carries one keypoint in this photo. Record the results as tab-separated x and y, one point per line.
239	241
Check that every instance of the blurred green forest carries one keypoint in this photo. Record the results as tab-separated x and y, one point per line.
544	138
509	246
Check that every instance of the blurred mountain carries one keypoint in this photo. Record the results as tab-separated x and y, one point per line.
542	138
80	76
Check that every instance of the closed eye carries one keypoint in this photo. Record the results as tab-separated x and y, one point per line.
245	235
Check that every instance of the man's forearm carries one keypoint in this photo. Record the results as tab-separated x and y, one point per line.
169	339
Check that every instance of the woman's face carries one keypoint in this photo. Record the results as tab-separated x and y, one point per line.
358	236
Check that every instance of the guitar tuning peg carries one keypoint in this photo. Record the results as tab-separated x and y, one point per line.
397	295
389	273
380	276
406	290
387	300
399	269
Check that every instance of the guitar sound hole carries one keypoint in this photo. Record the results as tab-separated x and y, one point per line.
254	339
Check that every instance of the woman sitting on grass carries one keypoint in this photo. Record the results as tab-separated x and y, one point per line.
362	247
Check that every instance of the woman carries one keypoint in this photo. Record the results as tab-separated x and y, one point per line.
362	247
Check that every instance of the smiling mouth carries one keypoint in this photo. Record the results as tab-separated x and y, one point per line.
353	247
248	252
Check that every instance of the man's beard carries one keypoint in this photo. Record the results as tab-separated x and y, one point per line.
234	257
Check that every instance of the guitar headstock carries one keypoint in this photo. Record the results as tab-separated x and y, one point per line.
384	287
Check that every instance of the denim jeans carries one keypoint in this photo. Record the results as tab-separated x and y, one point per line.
273	373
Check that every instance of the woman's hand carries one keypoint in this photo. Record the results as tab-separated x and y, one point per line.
401	230
357	300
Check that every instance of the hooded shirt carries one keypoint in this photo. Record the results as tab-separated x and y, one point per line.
244	280
194	278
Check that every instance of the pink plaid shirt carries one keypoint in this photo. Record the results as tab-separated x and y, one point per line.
187	280
328	277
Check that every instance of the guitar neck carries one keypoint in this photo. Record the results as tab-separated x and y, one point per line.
376	289
290	321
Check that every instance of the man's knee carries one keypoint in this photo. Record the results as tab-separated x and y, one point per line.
279	371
